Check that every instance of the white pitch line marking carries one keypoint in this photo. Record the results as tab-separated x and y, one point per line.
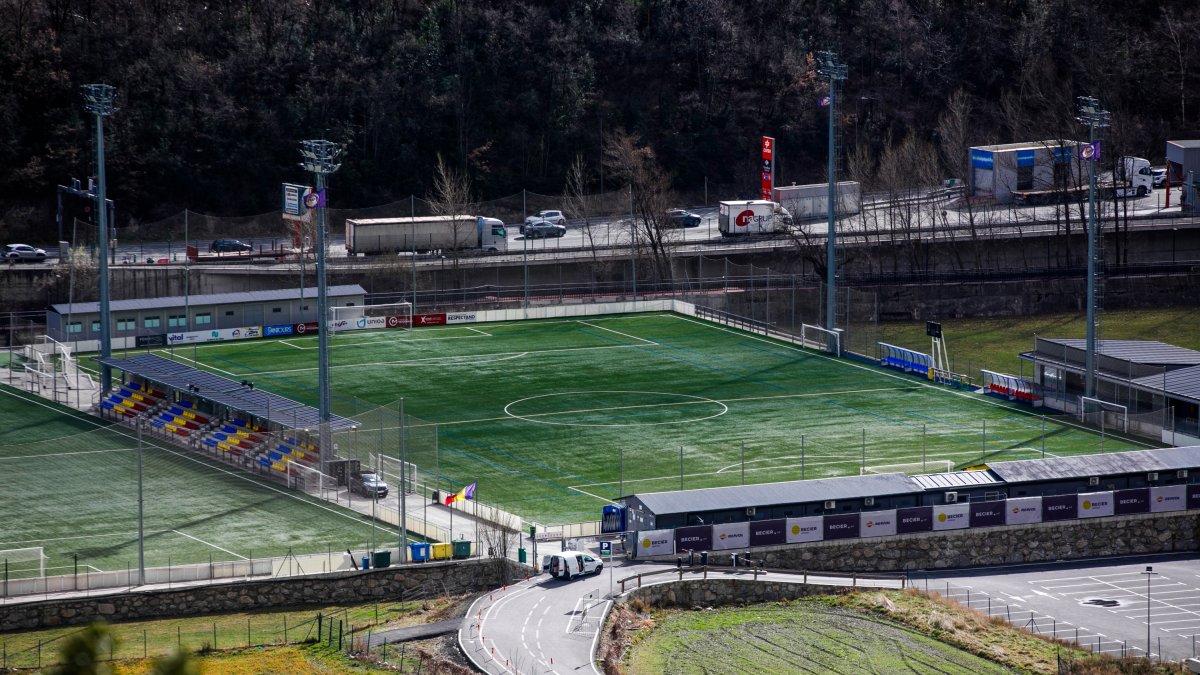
617	332
225	550
68	454
285	342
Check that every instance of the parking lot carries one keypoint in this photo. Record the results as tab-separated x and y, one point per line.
1102	605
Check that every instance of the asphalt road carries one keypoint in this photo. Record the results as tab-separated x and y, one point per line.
1100	604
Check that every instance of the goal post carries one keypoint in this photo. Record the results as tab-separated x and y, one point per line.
1100	413
394	315
913	468
309	480
24	563
823	339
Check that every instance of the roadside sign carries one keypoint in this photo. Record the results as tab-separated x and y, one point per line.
605	548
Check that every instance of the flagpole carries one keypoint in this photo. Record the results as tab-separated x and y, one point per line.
473	498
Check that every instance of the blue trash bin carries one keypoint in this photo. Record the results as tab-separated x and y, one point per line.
419	552
366	562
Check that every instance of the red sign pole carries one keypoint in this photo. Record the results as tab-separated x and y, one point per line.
768	167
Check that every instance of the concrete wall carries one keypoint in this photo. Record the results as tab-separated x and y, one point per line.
1042	542
717	591
339	587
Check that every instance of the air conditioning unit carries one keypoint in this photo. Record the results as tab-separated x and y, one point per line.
1094	480
1182	473
750	510
830	505
868	501
1152	476
951	497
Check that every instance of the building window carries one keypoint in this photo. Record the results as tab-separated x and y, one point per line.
176	321
126	324
349	304
151	322
303	308
203	319
276	310
95	326
229	313
75	327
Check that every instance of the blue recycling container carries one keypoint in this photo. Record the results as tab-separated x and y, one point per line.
418	552
366	562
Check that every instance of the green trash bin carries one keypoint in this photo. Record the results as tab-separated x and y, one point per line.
380	559
462	549
521	558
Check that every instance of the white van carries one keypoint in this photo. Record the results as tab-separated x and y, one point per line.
568	564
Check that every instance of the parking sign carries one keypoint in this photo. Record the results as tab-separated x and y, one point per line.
605	548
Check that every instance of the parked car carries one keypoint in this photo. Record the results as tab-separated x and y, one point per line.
540	229
369	485
682	218
230	246
555	217
19	252
568	564
1159	174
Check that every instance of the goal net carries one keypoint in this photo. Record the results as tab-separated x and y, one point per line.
309	480
395	315
24	563
913	468
815	337
1103	414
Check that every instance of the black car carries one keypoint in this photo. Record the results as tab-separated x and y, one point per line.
230	246
681	218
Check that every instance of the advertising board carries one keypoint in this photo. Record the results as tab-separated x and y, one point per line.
1059	507
1135	500
1193	496
768	532
157	340
877	523
655	542
1094	504
1168	498
730	535
694	538
801	530
951	517
914	519
278	330
308	328
842	526
429	320
1023	511
987	514
461	317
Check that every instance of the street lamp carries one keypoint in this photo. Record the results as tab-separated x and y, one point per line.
1095	117
320	157
1149	573
833	72
98	100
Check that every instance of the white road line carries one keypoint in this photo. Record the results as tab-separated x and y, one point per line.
185	534
617	332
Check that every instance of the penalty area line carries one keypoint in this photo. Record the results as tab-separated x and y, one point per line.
206	543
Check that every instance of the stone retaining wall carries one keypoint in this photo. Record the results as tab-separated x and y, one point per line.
412	581
716	591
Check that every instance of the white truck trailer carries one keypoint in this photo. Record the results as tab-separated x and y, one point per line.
806	202
758	216
422	234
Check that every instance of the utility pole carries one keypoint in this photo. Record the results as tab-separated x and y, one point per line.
98	100
1095	117
833	72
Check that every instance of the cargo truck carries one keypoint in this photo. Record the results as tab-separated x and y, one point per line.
735	219
812	201
1133	178
423	234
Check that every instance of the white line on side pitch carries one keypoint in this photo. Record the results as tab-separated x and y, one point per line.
206	543
617	332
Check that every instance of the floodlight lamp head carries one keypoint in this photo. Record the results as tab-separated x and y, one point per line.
1091	112
320	156
829	68
98	98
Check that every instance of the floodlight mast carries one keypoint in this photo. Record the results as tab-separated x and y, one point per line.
98	100
320	157
833	72
1095	117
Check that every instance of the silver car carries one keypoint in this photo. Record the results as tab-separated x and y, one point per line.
555	217
540	229
17	252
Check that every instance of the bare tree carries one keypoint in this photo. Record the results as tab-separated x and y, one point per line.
650	184
451	196
1177	29
580	205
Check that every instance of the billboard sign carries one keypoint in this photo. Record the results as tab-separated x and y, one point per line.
951	517
281	329
915	519
768	532
1135	500
157	340
694	538
308	328
987	514
1023	511
429	320
462	317
1193	496
768	166
1094	504
800	530
1059	507
730	535
655	542
1168	498
877	523
293	202
843	526
188	338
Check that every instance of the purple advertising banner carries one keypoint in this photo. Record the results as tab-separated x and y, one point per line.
695	538
1059	507
1193	496
987	514
768	532
1136	500
841	527
916	519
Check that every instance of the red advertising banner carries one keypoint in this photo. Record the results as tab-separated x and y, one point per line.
306	328
768	167
429	320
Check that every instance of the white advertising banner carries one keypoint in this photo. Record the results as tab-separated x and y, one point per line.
461	317
187	338
951	516
1094	504
805	529
877	523
1168	498
731	535
656	542
1023	510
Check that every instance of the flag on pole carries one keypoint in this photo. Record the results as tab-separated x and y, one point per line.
462	495
823	102
1090	152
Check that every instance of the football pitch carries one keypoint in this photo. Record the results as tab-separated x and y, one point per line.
552	417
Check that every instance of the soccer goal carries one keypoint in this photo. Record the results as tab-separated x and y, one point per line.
309	480
24	563
815	337
913	468
1103	414
396	315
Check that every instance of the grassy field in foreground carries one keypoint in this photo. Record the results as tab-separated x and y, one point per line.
554	417
993	343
